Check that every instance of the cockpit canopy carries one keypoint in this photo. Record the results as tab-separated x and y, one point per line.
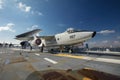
72	30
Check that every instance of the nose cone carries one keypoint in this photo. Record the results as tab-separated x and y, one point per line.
94	33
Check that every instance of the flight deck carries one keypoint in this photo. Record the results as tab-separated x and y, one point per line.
18	64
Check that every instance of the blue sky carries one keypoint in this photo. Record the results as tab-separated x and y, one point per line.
54	16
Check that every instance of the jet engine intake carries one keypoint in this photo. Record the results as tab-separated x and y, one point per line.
38	41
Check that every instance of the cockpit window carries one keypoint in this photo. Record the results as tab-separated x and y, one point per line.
71	30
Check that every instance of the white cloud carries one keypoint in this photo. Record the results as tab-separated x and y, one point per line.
1	4
105	43
37	13
7	27
106	31
32	28
24	7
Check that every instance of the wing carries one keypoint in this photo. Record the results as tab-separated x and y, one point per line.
27	35
30	33
24	38
47	38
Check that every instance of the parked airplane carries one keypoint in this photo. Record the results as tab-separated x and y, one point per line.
67	38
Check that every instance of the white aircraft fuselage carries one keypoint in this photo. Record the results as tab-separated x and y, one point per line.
71	37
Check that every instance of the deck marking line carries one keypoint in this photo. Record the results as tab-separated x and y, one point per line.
50	60
108	60
116	61
72	56
37	54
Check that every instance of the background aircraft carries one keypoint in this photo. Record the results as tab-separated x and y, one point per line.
68	38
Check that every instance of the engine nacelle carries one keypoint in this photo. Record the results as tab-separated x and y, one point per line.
36	42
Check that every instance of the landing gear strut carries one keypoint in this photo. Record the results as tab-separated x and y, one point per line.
42	48
61	49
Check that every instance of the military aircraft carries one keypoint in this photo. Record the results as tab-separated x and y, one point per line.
68	38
